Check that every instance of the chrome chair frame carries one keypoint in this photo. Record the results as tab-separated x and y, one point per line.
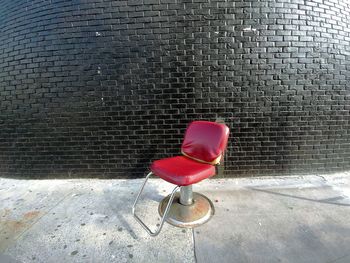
157	231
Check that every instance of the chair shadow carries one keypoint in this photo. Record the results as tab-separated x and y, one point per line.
150	193
323	201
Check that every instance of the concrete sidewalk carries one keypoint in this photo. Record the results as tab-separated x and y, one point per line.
279	219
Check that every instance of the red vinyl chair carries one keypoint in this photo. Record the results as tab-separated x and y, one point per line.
203	148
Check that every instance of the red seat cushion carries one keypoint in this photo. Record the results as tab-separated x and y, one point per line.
181	170
205	141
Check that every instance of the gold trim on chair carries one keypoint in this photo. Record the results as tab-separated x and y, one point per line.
214	162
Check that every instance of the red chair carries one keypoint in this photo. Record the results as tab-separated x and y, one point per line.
202	149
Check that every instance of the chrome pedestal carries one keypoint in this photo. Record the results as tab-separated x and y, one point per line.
188	209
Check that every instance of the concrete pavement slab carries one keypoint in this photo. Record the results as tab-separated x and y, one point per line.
23	203
293	220
91	222
269	219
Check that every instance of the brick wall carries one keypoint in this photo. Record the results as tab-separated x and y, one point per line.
102	87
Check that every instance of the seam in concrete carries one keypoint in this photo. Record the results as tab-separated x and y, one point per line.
322	177
335	260
36	221
194	246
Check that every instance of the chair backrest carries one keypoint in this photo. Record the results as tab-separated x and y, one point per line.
205	141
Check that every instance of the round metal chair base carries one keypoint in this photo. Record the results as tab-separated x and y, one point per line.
198	213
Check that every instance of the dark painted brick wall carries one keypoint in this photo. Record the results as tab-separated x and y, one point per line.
102	87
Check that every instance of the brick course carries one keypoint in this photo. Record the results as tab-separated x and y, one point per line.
100	87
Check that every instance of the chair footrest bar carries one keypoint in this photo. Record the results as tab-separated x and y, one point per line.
138	219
